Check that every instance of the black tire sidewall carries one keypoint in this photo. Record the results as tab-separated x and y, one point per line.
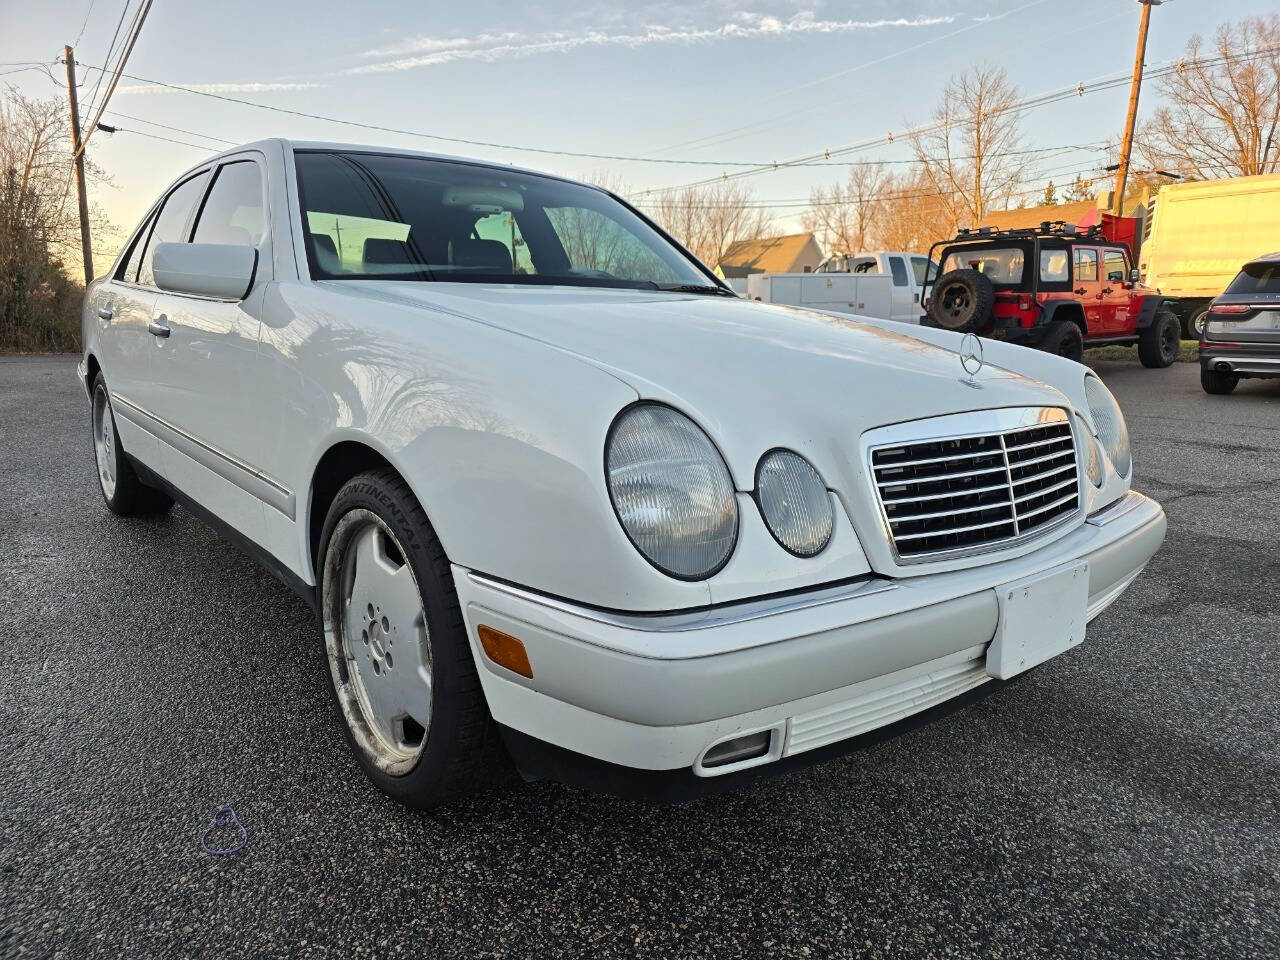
1060	332
981	294
455	685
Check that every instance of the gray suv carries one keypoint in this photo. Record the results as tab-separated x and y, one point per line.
1242	333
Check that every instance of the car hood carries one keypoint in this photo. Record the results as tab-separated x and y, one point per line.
756	376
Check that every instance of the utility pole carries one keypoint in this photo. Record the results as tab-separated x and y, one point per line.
73	98
1126	145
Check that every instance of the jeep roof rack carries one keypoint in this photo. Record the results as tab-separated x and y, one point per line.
1047	228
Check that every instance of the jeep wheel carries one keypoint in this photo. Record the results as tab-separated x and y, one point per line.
1158	345
962	300
1218	382
1064	339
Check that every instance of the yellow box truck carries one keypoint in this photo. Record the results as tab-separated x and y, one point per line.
1202	233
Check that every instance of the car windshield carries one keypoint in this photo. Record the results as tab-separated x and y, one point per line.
1257	278
383	217
1002	265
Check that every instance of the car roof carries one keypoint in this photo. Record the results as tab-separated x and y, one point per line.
303	145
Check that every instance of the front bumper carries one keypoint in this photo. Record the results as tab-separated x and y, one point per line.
654	692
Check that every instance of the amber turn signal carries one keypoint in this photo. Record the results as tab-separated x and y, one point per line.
505	650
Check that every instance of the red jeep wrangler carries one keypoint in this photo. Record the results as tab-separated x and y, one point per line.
1052	287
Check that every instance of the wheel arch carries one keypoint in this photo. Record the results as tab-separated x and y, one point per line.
345	458
91	370
1067	310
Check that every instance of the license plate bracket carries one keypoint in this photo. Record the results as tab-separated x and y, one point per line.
1041	616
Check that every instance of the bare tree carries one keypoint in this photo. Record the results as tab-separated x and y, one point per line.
912	214
39	226
708	220
1222	118
845	216
969	156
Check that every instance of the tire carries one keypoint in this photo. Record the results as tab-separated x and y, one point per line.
1218	383
962	301
121	490
385	573
1197	319
1158	345
1064	339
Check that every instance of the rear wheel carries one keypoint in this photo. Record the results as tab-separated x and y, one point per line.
403	678
121	489
1064	339
1218	382
1158	345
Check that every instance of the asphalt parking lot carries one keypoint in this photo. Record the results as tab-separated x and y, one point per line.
1124	800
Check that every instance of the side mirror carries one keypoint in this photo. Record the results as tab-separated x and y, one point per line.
1135	276
221	270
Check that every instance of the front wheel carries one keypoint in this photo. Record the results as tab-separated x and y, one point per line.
1064	339
1158	345
403	678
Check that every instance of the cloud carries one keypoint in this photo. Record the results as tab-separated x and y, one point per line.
216	87
421	52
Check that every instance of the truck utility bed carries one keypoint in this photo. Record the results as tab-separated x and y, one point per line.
863	294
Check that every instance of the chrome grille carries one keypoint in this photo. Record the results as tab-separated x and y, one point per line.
977	492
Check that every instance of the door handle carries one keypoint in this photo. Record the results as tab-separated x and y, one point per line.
105	313
1107	291
159	327
1081	291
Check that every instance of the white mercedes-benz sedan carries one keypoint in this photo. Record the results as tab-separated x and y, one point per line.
566	505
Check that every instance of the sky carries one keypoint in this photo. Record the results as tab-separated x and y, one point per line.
751	81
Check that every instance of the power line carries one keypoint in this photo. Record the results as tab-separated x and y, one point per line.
165	126
84	23
724	135
107	59
135	28
156	136
1039	100
819	161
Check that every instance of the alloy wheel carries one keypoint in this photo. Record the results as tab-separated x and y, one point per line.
104	441
377	642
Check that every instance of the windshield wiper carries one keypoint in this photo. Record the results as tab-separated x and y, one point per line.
694	288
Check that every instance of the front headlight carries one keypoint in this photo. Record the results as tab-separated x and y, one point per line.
672	491
795	502
1109	423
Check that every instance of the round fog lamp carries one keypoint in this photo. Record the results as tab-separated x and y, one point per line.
794	502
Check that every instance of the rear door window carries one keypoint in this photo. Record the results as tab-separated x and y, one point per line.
128	272
172	222
899	271
1086	265
233	211
922	265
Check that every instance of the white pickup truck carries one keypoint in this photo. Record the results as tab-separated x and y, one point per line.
886	285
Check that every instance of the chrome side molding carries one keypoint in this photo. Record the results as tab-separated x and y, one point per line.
247	477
